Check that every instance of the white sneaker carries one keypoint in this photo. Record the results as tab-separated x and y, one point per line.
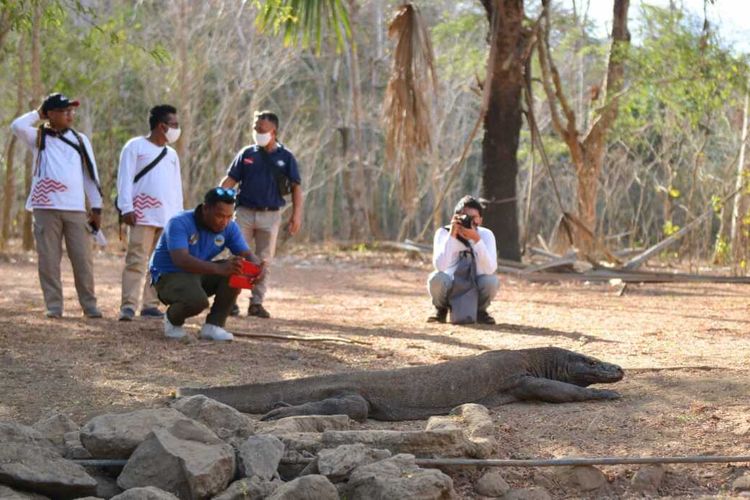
173	332
213	332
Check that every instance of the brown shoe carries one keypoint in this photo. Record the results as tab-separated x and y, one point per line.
258	310
439	317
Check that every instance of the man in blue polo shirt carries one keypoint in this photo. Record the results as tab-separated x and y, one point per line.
261	170
182	270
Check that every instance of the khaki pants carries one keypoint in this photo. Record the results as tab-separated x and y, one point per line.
187	294
261	230
50	227
141	243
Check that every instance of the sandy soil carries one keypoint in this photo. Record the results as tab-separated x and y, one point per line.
684	348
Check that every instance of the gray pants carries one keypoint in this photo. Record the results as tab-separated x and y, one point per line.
439	285
141	242
260	230
50	227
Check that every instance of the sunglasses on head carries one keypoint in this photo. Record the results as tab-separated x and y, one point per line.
227	194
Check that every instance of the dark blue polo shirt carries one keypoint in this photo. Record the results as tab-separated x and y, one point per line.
184	230
258	187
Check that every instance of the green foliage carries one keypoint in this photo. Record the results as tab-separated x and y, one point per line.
460	42
670	228
305	20
721	250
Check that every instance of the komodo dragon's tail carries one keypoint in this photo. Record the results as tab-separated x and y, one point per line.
261	398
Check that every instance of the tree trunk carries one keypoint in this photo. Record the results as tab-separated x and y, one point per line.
502	125
358	194
185	109
738	241
36	89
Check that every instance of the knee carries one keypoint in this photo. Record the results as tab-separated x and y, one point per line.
196	304
488	284
439	282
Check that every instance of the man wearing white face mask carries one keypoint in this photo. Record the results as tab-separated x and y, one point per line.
149	193
266	172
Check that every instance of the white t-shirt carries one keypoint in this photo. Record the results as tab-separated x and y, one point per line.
445	251
157	196
60	180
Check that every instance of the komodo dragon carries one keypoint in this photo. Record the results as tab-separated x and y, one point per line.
496	377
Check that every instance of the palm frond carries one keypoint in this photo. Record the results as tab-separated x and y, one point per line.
408	99
305	21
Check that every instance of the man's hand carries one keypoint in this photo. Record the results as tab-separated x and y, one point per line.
42	114
455	225
294	224
469	234
95	219
129	218
230	266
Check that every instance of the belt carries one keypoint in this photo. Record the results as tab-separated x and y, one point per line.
264	209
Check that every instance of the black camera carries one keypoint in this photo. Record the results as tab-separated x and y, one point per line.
467	221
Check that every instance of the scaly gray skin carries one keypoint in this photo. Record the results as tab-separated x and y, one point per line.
493	378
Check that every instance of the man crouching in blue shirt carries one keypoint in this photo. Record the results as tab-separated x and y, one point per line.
182	270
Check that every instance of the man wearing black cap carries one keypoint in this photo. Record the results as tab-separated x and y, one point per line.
264	171
65	175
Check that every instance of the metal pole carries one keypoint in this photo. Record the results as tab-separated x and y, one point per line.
532	462
556	462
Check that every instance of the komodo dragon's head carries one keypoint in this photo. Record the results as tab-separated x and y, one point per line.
583	371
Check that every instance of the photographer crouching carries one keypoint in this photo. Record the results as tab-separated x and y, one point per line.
465	258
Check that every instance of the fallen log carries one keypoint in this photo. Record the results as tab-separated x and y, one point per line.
606	275
301	338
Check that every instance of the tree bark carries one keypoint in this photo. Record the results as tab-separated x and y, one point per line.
36	89
10	173
502	124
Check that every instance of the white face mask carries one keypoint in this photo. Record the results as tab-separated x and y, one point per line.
262	140
173	134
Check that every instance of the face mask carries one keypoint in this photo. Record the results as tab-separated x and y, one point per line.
173	134
262	140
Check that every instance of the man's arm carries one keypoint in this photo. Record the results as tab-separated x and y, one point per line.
23	127
445	249
182	259
227	182
91	187
295	222
125	178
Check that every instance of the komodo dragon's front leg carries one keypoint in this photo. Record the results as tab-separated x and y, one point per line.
554	391
353	405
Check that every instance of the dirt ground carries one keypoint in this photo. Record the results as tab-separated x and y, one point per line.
684	349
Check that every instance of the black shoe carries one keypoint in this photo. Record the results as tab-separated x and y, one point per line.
235	310
483	317
258	310
439	317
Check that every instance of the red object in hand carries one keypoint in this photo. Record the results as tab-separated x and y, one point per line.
246	279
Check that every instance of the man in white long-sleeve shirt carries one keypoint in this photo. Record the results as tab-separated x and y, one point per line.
65	175
149	193
448	244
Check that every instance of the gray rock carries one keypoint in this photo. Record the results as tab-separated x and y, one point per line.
647	479
475	421
187	460
73	446
260	456
313	487
224	420
580	477
492	484
30	462
742	483
146	493
7	493
307	423
54	427
444	443
535	493
398	477
116	435
337	463
253	488
106	485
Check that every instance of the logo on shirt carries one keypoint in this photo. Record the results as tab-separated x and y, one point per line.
219	240
247	161
193	239
280	163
